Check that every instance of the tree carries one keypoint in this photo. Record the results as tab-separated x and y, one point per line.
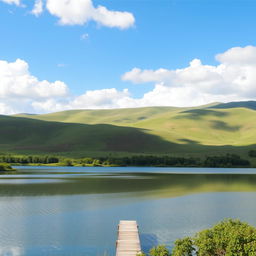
159	250
183	247
252	153
227	238
67	162
5	167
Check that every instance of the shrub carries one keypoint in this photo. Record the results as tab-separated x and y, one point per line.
183	247
159	250
227	238
5	167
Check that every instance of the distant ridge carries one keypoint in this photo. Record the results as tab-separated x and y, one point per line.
238	104
24	114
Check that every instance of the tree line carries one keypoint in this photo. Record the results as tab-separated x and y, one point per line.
12	159
228	160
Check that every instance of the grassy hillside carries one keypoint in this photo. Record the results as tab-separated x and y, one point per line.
210	129
35	136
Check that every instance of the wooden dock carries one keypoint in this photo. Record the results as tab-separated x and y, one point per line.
128	241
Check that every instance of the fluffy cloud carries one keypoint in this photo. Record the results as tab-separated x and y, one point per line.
19	89
233	79
79	12
108	18
106	98
239	56
17	2
17	82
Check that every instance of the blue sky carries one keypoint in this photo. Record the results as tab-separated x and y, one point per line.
165	34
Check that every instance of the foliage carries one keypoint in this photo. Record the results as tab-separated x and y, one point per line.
183	247
228	160
159	250
87	160
67	162
28	159
227	238
252	153
5	167
136	160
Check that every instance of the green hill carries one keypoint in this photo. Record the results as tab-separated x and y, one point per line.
210	129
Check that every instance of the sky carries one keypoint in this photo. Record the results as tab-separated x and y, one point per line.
97	54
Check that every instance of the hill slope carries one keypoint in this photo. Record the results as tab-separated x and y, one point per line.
35	136
206	129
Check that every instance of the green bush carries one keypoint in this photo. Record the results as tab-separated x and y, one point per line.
159	250
183	247
227	238
67	162
5	167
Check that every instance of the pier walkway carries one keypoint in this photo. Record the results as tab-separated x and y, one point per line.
128	241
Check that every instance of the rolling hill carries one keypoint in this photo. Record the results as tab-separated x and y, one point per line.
211	129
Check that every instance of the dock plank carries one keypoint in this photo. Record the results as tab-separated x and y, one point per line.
128	241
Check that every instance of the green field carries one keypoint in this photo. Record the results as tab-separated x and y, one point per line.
206	130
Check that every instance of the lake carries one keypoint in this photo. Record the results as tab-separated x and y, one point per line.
75	210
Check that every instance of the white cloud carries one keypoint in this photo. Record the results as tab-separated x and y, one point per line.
38	8
18	88
17	82
239	56
17	2
105	98
109	18
72	12
233	79
79	12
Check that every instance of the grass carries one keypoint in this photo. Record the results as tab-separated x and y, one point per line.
206	130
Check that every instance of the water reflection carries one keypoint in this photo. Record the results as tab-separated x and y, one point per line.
79	215
138	184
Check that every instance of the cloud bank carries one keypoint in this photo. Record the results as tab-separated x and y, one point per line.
233	79
79	12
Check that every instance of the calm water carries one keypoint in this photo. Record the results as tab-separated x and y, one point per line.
75	211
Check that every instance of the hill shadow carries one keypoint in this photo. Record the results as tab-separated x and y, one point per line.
240	104
25	134
220	125
199	113
191	142
29	136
